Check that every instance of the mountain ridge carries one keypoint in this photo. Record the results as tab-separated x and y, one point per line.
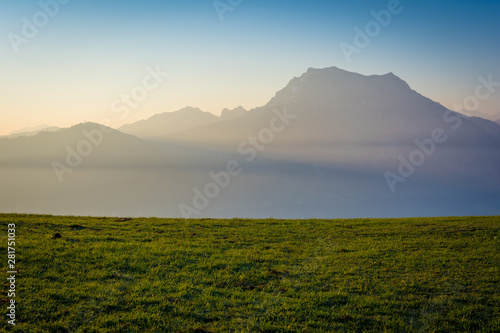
234	113
168	122
321	147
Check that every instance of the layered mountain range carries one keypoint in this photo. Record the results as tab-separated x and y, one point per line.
330	144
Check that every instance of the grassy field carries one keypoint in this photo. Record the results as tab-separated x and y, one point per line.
174	275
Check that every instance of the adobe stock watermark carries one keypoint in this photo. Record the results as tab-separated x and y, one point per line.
372	29
121	106
249	149
428	146
11	273
31	27
221	7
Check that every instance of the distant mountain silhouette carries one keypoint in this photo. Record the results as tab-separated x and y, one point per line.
88	169
492	117
234	113
107	147
489	127
30	131
330	144
169	122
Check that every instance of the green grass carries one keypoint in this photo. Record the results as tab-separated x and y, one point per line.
239	275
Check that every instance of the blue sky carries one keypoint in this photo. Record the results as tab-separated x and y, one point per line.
91	52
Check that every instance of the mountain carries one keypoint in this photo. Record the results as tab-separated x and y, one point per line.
30	131
330	144
487	116
333	106
232	114
353	137
104	146
489	127
498	121
169	122
87	169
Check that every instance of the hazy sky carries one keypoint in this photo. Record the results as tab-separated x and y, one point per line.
88	53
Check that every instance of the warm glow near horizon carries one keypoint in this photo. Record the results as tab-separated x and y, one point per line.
78	65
